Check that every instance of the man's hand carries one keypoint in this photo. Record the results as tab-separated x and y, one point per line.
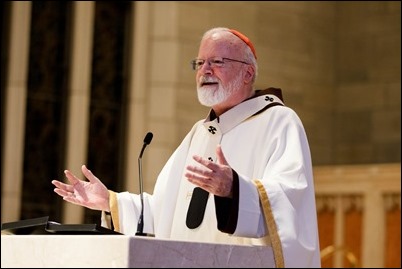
92	194
216	178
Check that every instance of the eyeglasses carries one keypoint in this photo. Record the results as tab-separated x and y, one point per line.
213	62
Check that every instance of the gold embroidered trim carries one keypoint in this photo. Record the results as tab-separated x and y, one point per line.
272	229
114	210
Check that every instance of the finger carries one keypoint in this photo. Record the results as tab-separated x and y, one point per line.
62	192
199	180
220	156
58	184
88	174
62	186
200	171
71	177
205	162
197	177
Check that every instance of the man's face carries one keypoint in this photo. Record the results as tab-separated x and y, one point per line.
219	81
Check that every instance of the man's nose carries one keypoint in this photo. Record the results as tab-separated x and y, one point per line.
206	67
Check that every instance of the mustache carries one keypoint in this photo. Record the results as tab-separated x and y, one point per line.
203	80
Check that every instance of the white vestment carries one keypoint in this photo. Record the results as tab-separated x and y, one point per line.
270	146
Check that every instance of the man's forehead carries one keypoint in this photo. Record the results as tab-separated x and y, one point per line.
218	47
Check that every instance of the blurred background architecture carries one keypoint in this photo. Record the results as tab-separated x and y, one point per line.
82	82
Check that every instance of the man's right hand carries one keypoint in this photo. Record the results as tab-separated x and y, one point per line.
92	194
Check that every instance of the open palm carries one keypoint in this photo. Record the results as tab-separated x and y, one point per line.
92	194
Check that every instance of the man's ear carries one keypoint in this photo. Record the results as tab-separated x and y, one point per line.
249	74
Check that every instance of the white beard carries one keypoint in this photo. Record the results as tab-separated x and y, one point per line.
210	97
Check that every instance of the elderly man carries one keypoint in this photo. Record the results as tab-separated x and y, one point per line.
242	175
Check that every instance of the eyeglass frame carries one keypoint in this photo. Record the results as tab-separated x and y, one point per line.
213	62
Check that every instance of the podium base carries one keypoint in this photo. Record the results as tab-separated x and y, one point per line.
144	234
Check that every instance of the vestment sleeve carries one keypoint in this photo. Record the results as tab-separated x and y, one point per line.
227	209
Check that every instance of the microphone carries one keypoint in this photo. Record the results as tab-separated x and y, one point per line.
140	225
